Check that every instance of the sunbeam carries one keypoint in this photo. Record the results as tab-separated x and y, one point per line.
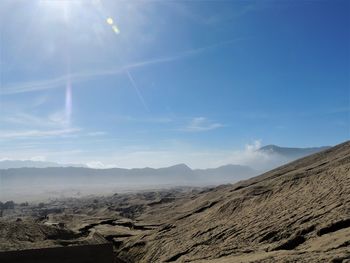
68	102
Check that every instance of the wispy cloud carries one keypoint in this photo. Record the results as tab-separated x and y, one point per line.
55	119
22	125
100	165
201	124
36	133
181	55
60	82
97	133
23	119
144	119
58	118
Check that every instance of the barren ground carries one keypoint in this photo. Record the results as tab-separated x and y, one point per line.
299	212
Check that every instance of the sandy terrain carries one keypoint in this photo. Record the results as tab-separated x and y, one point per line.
299	212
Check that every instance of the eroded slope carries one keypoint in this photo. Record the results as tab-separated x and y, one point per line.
300	212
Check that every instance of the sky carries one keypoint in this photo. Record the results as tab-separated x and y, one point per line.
154	83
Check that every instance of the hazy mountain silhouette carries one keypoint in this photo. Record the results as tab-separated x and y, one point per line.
21	177
7	164
291	152
80	178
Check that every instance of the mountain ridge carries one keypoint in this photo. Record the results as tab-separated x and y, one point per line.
56	179
8	164
268	149
291	151
298	212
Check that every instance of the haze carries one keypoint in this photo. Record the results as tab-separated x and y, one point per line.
150	84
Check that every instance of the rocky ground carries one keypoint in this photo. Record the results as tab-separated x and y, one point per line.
73	221
299	212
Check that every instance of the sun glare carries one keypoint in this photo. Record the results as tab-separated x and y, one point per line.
66	10
110	22
60	8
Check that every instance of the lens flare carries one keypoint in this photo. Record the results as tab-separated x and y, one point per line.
115	29
68	102
110	22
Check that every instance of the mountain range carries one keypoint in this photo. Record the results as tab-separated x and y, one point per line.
30	178
286	152
7	164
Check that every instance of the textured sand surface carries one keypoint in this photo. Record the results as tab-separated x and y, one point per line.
299	212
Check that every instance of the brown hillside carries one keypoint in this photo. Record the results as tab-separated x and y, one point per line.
299	212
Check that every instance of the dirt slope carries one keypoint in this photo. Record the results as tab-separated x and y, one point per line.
296	213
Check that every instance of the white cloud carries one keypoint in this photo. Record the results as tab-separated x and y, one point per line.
38	158
97	133
58	118
55	119
99	165
256	145
144	119
201	124
42	154
95	165
36	133
23	119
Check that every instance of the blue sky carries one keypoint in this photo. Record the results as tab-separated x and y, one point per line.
154	83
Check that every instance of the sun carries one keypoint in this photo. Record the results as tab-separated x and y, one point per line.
109	21
69	11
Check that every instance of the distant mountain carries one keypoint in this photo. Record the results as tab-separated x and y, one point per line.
180	173
28	177
293	153
31	181
7	164
226	174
